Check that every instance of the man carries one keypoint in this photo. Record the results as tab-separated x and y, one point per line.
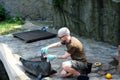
74	50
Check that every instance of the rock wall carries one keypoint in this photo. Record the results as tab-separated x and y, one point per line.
29	9
97	19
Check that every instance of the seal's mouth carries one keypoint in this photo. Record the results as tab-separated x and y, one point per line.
44	55
39	58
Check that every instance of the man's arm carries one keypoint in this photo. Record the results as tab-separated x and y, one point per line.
54	45
65	56
51	57
44	49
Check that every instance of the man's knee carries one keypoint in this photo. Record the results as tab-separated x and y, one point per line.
66	65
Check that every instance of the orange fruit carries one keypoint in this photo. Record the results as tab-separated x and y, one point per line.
108	76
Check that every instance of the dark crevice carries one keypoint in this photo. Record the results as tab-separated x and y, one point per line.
119	26
101	26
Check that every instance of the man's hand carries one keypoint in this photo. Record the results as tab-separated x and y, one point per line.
50	57
44	50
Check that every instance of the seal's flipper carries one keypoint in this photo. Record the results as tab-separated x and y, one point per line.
40	76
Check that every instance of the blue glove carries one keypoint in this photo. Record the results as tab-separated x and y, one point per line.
44	50
51	57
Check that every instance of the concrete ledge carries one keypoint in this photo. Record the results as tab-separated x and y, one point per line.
13	66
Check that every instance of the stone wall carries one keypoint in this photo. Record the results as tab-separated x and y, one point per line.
29	9
96	19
